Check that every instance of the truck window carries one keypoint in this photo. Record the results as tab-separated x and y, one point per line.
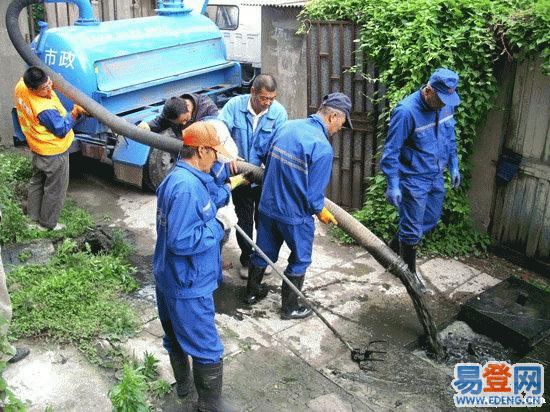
225	17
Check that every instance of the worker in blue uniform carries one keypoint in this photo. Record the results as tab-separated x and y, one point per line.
251	120
298	166
420	145
180	112
187	264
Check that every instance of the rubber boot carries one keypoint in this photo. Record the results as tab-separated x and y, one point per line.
394	244
182	373
408	253
290	306
208	381
255	291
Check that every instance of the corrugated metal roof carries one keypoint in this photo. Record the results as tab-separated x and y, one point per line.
275	3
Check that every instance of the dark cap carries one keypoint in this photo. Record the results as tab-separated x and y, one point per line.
203	134
339	101
444	82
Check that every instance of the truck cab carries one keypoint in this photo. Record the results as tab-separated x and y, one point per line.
240	25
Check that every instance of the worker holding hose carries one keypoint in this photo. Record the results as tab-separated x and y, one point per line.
420	145
298	165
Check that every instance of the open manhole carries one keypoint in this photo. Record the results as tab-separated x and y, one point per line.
512	312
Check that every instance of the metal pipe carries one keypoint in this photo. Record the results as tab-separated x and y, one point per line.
85	12
294	288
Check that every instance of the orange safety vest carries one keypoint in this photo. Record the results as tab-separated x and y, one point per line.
40	139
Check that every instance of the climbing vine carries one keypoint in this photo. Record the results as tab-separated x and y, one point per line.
407	40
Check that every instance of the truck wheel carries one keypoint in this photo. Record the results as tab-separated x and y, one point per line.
159	164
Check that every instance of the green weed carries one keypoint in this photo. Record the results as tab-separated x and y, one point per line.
138	386
74	297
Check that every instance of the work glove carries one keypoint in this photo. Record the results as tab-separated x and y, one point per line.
393	193
237	180
144	126
455	178
326	217
78	111
227	217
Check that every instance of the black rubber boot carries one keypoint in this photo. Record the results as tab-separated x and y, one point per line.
255	291
290	307
408	253
394	244
208	381
182	373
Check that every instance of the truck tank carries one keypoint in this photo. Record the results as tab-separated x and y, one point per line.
131	67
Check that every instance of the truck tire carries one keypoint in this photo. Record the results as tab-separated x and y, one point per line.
159	164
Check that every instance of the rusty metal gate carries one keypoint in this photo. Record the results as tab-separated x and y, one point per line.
521	213
331	52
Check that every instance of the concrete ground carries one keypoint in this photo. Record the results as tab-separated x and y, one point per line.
272	365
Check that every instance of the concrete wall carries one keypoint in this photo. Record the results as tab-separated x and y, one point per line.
283	56
11	69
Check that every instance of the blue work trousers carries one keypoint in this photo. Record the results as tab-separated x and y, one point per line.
299	239
189	327
421	206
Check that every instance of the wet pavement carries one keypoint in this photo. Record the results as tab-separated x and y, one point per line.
271	365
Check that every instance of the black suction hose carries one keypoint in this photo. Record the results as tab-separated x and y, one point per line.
380	251
116	123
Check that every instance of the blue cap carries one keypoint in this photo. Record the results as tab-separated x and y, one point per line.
444	82
340	102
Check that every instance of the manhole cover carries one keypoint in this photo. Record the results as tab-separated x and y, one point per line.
514	312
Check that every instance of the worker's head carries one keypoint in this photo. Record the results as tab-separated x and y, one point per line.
336	109
201	140
38	82
263	92
177	111
441	89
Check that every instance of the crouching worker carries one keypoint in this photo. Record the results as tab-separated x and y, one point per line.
298	166
187	265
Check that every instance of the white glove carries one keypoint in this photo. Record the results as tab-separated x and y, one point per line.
227	217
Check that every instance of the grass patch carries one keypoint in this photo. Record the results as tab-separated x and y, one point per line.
74	297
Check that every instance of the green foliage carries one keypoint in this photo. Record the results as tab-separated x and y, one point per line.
138	386
407	41
129	394
72	298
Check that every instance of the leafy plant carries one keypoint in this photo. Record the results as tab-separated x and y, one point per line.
407	41
139	384
129	394
72	298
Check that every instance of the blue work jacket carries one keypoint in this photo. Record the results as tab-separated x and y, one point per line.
187	260
297	171
415	144
238	119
